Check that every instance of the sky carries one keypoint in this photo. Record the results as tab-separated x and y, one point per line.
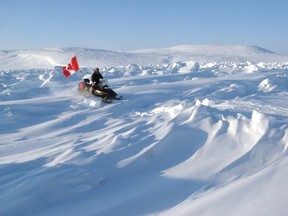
123	25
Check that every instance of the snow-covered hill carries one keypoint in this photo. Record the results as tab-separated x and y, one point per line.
46	58
210	53
190	137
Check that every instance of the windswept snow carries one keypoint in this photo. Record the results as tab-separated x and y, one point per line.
46	58
190	137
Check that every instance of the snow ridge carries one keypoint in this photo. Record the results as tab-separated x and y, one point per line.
46	58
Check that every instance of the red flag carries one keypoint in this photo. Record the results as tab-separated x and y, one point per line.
66	72
74	64
71	68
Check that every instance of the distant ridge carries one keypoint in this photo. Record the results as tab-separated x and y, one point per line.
49	57
209	50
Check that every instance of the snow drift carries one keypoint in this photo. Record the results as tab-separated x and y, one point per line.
189	137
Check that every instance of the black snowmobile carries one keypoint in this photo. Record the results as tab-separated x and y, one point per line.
102	90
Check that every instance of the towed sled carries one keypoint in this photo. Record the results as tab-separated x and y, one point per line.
102	90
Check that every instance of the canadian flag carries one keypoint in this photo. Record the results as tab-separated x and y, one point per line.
71	68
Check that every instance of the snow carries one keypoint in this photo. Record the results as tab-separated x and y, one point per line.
49	57
201	130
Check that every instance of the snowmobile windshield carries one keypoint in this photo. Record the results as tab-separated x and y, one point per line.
86	79
86	76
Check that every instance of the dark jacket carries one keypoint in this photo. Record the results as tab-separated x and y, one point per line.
96	76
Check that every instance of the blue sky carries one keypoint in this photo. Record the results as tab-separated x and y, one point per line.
137	24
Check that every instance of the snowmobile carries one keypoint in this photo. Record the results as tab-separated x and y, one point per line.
102	90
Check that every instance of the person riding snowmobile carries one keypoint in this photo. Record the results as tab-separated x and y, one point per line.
98	86
95	79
